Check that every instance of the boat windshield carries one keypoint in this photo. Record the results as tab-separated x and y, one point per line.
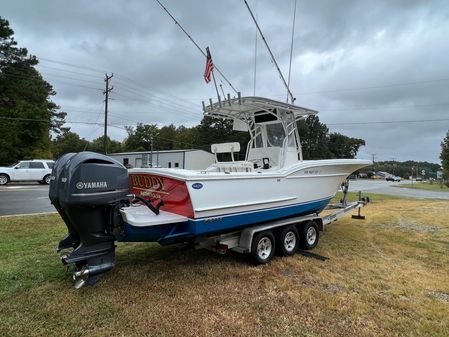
275	135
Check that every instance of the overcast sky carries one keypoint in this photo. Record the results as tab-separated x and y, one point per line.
355	61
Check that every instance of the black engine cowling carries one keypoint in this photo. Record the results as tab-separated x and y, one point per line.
88	189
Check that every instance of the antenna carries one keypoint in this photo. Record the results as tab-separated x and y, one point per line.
291	50
269	50
255	58
196	44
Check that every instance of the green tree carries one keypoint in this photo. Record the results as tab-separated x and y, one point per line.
97	145
444	156
404	169
187	137
140	137
67	142
27	114
216	130
165	138
341	146
314	140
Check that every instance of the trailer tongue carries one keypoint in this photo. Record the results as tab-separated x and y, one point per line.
91	192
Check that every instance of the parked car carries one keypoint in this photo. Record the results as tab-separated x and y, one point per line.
28	170
418	179
393	178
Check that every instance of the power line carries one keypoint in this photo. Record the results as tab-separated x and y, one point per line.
375	87
66	71
69	78
137	87
122	127
166	102
385	107
72	65
23	77
391	122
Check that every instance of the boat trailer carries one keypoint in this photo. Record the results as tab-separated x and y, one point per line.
90	191
247	241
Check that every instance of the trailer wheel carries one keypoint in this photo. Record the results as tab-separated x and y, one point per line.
288	240
262	248
309	235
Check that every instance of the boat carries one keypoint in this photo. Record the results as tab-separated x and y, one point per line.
274	181
101	202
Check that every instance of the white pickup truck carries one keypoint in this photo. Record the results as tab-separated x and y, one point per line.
28	170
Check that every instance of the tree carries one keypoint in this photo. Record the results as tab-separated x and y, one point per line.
318	143
216	130
313	135
186	137
341	146
165	138
444	156
26	112
404	169
97	145
67	142
140	137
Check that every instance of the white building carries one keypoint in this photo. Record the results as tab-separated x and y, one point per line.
185	159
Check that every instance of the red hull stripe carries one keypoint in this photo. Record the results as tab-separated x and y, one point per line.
173	192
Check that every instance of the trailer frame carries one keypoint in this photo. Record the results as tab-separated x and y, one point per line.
242	241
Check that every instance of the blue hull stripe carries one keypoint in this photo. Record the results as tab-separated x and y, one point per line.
219	223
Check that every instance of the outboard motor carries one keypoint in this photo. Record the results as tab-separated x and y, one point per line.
88	189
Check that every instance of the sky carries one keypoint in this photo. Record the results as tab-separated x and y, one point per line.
365	65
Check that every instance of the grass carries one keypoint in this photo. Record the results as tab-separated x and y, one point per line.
386	276
426	186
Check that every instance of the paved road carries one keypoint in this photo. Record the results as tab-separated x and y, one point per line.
386	187
24	199
33	198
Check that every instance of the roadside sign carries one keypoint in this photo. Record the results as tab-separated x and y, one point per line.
423	172
439	174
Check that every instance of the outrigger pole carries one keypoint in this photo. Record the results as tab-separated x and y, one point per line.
271	54
216	88
196	45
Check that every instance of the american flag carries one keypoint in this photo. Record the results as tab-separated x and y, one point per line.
209	66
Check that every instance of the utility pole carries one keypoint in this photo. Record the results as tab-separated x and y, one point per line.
374	163
394	165
151	143
106	92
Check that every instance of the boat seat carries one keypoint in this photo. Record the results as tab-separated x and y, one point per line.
232	166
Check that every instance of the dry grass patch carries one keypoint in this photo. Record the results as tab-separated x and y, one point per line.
386	276
435	186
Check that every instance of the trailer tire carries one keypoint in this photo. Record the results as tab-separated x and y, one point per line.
263	247
288	240
309	235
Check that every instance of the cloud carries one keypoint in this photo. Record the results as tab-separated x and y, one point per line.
355	61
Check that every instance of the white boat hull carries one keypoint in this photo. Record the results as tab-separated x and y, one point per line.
220	201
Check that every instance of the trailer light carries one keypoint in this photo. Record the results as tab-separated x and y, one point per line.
221	248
